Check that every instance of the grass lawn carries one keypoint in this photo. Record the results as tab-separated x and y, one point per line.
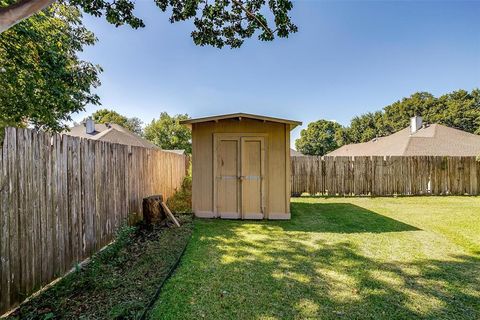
338	258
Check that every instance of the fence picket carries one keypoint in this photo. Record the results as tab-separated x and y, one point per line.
62	198
385	176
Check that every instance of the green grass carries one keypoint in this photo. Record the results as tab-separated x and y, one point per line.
119	282
338	258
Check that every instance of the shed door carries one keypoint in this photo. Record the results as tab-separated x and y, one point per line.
227	179
239	177
252	177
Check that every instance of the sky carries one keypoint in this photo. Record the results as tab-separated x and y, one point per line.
348	58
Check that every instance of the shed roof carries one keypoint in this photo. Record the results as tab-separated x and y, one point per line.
241	115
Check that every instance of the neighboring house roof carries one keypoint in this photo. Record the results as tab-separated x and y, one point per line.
430	140
240	115
295	153
111	133
177	151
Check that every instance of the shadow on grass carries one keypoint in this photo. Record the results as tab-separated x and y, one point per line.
334	218
261	270
338	218
227	276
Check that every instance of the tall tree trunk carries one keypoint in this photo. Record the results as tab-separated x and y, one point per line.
13	14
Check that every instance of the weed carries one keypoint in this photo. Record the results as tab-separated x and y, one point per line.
181	201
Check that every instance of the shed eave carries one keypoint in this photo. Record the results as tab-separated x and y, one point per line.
292	123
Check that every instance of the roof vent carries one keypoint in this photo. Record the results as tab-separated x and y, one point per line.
90	126
415	124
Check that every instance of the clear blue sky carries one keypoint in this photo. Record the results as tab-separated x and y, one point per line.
348	58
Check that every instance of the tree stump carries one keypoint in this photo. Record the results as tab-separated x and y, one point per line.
152	210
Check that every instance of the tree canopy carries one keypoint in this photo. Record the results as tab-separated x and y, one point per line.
167	132
217	22
319	138
42	79
133	124
458	109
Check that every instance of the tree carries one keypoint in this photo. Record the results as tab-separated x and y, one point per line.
168	133
104	115
217	22
397	115
42	80
366	127
459	109
320	138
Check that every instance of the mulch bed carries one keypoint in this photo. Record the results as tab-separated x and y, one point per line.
119	282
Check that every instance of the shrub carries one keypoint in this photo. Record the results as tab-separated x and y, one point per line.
181	201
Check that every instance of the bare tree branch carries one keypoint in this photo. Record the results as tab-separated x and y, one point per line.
13	14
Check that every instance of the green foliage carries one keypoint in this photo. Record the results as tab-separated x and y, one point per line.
127	310
217	23
168	133
104	115
181	201
458	109
49	316
42	79
366	127
320	138
111	253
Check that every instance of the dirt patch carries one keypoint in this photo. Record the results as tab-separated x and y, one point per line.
119	281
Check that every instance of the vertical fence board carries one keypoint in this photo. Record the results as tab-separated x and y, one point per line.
5	230
385	176
47	258
12	212
62	199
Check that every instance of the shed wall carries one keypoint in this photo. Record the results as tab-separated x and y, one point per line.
277	160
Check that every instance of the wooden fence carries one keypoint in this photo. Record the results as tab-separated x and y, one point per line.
385	176
62	198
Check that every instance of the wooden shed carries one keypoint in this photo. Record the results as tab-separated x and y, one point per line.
241	166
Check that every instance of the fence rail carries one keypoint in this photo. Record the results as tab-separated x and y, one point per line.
385	176
62	198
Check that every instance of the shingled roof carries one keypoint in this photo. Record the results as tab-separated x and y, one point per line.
429	140
111	132
295	153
